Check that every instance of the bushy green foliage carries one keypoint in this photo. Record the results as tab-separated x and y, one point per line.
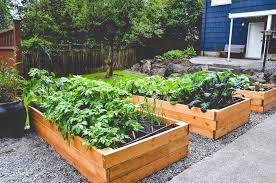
179	54
94	110
120	21
184	20
37	43
5	15
176	54
10	84
114	23
200	89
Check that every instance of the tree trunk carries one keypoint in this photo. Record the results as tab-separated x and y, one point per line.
110	63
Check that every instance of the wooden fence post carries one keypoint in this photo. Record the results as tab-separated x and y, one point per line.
17	45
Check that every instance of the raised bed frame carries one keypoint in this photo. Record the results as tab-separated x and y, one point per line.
212	124
260	101
126	164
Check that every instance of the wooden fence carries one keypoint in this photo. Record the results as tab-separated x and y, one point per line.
10	46
78	60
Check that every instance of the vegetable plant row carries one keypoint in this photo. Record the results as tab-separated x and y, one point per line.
109	139
200	89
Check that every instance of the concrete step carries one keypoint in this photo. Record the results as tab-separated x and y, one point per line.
218	69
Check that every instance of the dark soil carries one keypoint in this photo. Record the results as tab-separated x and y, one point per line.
150	128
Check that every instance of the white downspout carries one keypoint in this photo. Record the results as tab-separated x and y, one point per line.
230	39
269	23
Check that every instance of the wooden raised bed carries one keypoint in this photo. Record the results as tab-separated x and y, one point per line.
260	101
126	164
212	124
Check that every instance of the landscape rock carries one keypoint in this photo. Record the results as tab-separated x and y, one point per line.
146	68
159	71
165	67
136	67
176	68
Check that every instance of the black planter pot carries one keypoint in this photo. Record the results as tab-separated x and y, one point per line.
12	119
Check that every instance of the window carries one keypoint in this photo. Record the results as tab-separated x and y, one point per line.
220	2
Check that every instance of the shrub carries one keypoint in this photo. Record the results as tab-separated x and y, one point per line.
179	54
10	84
174	54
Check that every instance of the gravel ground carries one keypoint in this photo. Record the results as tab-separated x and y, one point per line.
29	159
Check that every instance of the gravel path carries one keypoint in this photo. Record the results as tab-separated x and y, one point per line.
29	159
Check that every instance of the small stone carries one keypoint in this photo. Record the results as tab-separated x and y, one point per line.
158	71
136	67
146	68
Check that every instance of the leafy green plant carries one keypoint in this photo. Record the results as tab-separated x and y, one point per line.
94	110
190	52
244	82
179	54
10	84
176	54
200	89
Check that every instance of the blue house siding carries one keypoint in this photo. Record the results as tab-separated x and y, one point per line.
216	24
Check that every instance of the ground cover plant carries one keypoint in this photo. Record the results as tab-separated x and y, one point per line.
119	75
180	54
94	110
200	89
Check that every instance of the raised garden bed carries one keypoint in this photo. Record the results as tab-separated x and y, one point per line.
129	163
213	123
261	101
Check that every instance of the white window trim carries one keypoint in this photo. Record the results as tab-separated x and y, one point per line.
216	3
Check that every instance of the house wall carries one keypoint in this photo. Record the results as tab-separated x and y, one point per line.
216	24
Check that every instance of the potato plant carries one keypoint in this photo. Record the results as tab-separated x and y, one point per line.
99	113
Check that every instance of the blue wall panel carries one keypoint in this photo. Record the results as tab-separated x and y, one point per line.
216	24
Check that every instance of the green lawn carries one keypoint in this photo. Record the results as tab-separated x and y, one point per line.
118	76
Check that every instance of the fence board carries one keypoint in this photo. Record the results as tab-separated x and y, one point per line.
78	61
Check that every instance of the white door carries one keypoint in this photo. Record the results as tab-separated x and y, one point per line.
254	40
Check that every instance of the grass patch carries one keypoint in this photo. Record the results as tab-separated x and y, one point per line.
119	75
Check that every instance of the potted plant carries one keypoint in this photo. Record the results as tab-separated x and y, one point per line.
12	111
109	140
204	100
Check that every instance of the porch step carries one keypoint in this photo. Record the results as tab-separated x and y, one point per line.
219	69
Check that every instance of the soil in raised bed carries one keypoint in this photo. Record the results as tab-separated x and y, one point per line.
151	126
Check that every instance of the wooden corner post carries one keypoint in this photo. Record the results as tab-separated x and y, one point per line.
17	45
